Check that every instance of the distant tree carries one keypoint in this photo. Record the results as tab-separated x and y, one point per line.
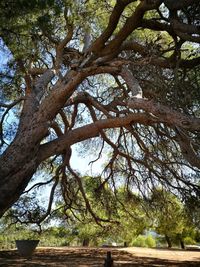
169	217
132	217
115	216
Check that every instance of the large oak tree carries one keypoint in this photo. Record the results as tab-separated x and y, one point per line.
122	74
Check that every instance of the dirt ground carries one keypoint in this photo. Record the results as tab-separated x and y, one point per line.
95	257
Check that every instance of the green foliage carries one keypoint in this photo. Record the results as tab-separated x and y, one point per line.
144	241
131	216
27	209
139	242
168	211
189	241
150	241
169	216
52	236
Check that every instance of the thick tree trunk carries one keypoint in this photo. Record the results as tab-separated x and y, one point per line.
19	162
168	240
86	242
182	243
14	185
125	244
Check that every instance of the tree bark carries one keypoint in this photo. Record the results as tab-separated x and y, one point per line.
86	242
175	5
20	161
18	164
168	240
182	244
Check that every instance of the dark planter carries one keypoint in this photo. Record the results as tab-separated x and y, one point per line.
26	247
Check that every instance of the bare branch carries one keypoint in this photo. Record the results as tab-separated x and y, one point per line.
97	219
184	28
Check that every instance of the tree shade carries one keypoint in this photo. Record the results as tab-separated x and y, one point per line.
121	76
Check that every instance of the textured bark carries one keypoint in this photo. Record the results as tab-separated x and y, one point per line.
86	242
168	240
131	82
131	24
14	184
166	114
20	161
182	243
174	5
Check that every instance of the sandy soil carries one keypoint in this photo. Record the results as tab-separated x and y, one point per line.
172	254
95	257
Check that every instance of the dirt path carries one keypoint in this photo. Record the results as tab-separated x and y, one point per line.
172	254
94	257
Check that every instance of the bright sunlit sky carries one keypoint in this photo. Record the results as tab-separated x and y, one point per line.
81	164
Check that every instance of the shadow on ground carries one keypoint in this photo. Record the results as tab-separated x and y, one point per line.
85	257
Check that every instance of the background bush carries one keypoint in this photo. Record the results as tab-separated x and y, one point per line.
144	241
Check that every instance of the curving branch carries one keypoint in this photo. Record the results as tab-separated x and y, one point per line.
96	218
184	28
187	149
99	44
91	130
166	114
132	23
8	108
60	47
156	60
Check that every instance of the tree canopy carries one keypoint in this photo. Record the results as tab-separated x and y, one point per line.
121	78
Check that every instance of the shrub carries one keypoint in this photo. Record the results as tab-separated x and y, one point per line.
189	241
139	241
144	241
150	241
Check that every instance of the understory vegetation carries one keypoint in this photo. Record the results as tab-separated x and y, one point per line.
53	238
161	220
